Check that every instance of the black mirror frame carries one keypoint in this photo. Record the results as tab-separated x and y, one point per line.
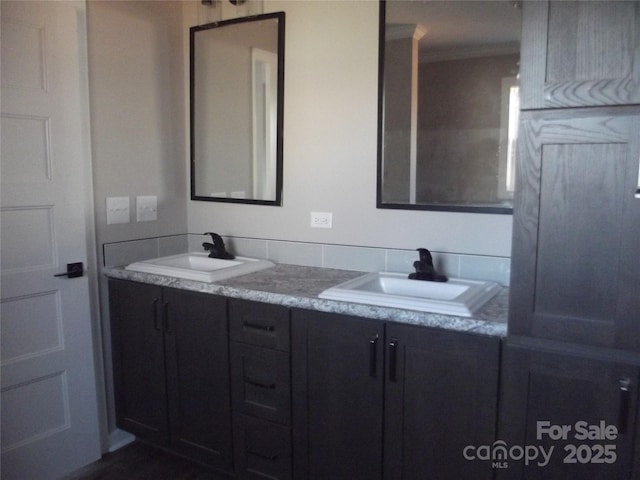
280	16
409	206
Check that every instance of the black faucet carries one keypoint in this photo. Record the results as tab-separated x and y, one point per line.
217	248
425	269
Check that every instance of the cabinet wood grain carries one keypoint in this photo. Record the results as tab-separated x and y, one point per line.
576	234
579	53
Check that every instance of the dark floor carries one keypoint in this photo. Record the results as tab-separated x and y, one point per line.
138	461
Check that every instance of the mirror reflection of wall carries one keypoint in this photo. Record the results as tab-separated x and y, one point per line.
236	105
459	124
450	95
264	114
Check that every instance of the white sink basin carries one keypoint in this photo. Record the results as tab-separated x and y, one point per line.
198	266
458	296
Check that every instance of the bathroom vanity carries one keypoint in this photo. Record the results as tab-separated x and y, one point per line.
255	375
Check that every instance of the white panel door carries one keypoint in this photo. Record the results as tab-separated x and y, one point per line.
48	398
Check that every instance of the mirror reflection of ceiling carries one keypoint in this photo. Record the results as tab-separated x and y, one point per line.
460	25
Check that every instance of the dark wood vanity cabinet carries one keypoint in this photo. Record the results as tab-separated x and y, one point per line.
363	387
264	391
338	375
137	339
581	408
580	53
572	354
576	228
171	369
260	389
441	395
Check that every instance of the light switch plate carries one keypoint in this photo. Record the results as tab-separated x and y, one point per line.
117	210
146	208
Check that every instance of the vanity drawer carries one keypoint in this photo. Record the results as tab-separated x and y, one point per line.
261	382
259	324
261	449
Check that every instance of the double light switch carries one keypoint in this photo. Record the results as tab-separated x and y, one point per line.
118	209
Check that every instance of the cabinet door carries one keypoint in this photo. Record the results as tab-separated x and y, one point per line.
576	232
198	376
441	395
545	396
137	340
580	53
337	400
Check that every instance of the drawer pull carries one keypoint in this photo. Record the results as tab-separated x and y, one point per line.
257	383
260	328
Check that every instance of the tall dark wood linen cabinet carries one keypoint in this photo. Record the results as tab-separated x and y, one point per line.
572	357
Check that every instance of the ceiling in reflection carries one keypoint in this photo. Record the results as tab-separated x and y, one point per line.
455	25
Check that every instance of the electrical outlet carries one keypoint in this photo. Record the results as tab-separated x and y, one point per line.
321	219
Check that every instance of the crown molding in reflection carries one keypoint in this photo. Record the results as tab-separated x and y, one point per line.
400	31
471	52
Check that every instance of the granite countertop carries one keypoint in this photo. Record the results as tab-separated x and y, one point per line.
299	286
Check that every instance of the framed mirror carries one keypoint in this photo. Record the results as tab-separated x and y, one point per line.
236	99
448	105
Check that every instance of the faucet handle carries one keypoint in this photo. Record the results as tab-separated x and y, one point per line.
216	239
425	256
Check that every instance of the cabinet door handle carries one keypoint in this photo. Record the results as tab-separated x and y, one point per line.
257	383
165	314
637	195
623	412
373	356
255	326
393	360
156	317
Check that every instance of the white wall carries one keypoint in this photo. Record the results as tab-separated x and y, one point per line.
137	101
330	131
